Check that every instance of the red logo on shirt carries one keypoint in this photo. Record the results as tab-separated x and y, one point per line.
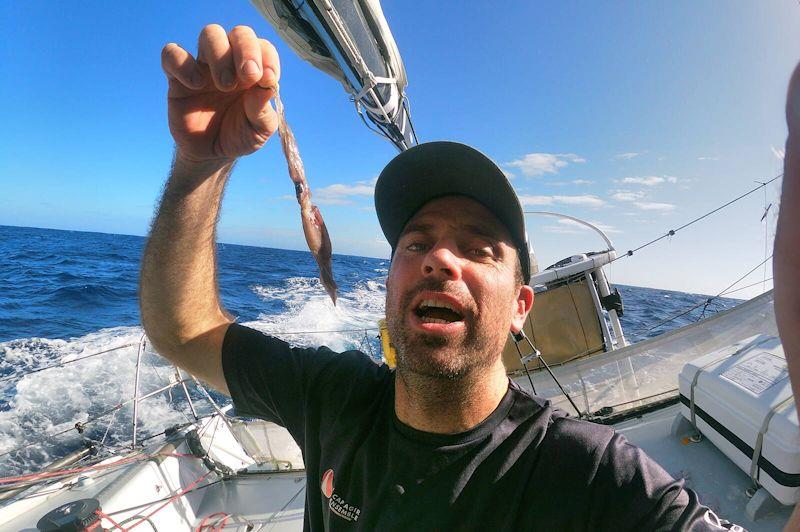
327	483
337	505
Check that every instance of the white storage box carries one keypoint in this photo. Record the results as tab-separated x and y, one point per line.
742	402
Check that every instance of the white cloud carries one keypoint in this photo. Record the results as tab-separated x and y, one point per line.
582	182
600	225
627	195
571	227
706	158
779	153
627	156
587	200
591	201
648	181
536	164
527	200
652	206
509	175
341	194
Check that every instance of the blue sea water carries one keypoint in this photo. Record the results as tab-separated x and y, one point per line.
68	294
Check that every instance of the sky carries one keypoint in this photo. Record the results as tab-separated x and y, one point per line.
635	116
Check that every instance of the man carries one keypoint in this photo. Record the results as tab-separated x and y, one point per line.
445	442
786	264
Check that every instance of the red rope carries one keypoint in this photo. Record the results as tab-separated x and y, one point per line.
62	472
102	515
178	495
97	467
212	527
221	525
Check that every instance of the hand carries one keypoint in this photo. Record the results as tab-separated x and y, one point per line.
218	104
793	103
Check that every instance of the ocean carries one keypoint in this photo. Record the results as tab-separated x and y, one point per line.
67	295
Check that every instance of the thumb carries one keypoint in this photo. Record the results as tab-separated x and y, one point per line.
262	117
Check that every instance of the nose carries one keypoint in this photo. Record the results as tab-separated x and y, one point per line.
442	262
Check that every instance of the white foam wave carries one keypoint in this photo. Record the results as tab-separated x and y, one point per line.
38	405
311	318
35	406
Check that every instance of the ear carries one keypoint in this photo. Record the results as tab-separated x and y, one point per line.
522	306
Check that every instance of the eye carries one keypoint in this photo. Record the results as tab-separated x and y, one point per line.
416	246
482	252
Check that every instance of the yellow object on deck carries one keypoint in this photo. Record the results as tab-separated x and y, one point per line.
389	353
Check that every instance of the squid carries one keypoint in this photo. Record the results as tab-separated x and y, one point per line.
314	229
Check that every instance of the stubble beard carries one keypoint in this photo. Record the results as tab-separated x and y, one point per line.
442	358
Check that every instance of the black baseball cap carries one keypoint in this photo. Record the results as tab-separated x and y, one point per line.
436	169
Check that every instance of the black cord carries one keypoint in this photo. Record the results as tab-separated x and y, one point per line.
137	516
672	232
704	302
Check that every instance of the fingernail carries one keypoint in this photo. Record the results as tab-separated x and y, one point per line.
250	68
226	78
269	74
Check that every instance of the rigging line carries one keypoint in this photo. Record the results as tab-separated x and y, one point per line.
131	518
110	422
80	425
64	472
176	496
151	503
747	286
407	105
670	391
35	442
766	235
704	302
290	501
672	232
64	363
379	132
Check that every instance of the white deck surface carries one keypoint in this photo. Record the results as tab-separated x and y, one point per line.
719	483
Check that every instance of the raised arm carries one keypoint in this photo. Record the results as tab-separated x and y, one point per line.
218	108
786	258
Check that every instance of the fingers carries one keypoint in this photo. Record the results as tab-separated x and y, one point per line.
214	50
238	58
246	55
262	117
179	65
271	63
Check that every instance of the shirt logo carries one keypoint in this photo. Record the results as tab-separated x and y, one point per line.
327	483
337	505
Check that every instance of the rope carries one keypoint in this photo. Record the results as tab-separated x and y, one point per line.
60	364
746	286
125	346
96	467
103	515
704	302
178	495
151	503
672	232
222	518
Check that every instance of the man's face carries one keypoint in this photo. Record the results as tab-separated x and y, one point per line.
452	295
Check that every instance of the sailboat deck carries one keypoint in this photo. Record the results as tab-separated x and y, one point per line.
719	483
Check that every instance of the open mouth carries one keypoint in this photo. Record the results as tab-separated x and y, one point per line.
434	311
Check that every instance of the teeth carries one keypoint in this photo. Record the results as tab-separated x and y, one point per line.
434	320
440	304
